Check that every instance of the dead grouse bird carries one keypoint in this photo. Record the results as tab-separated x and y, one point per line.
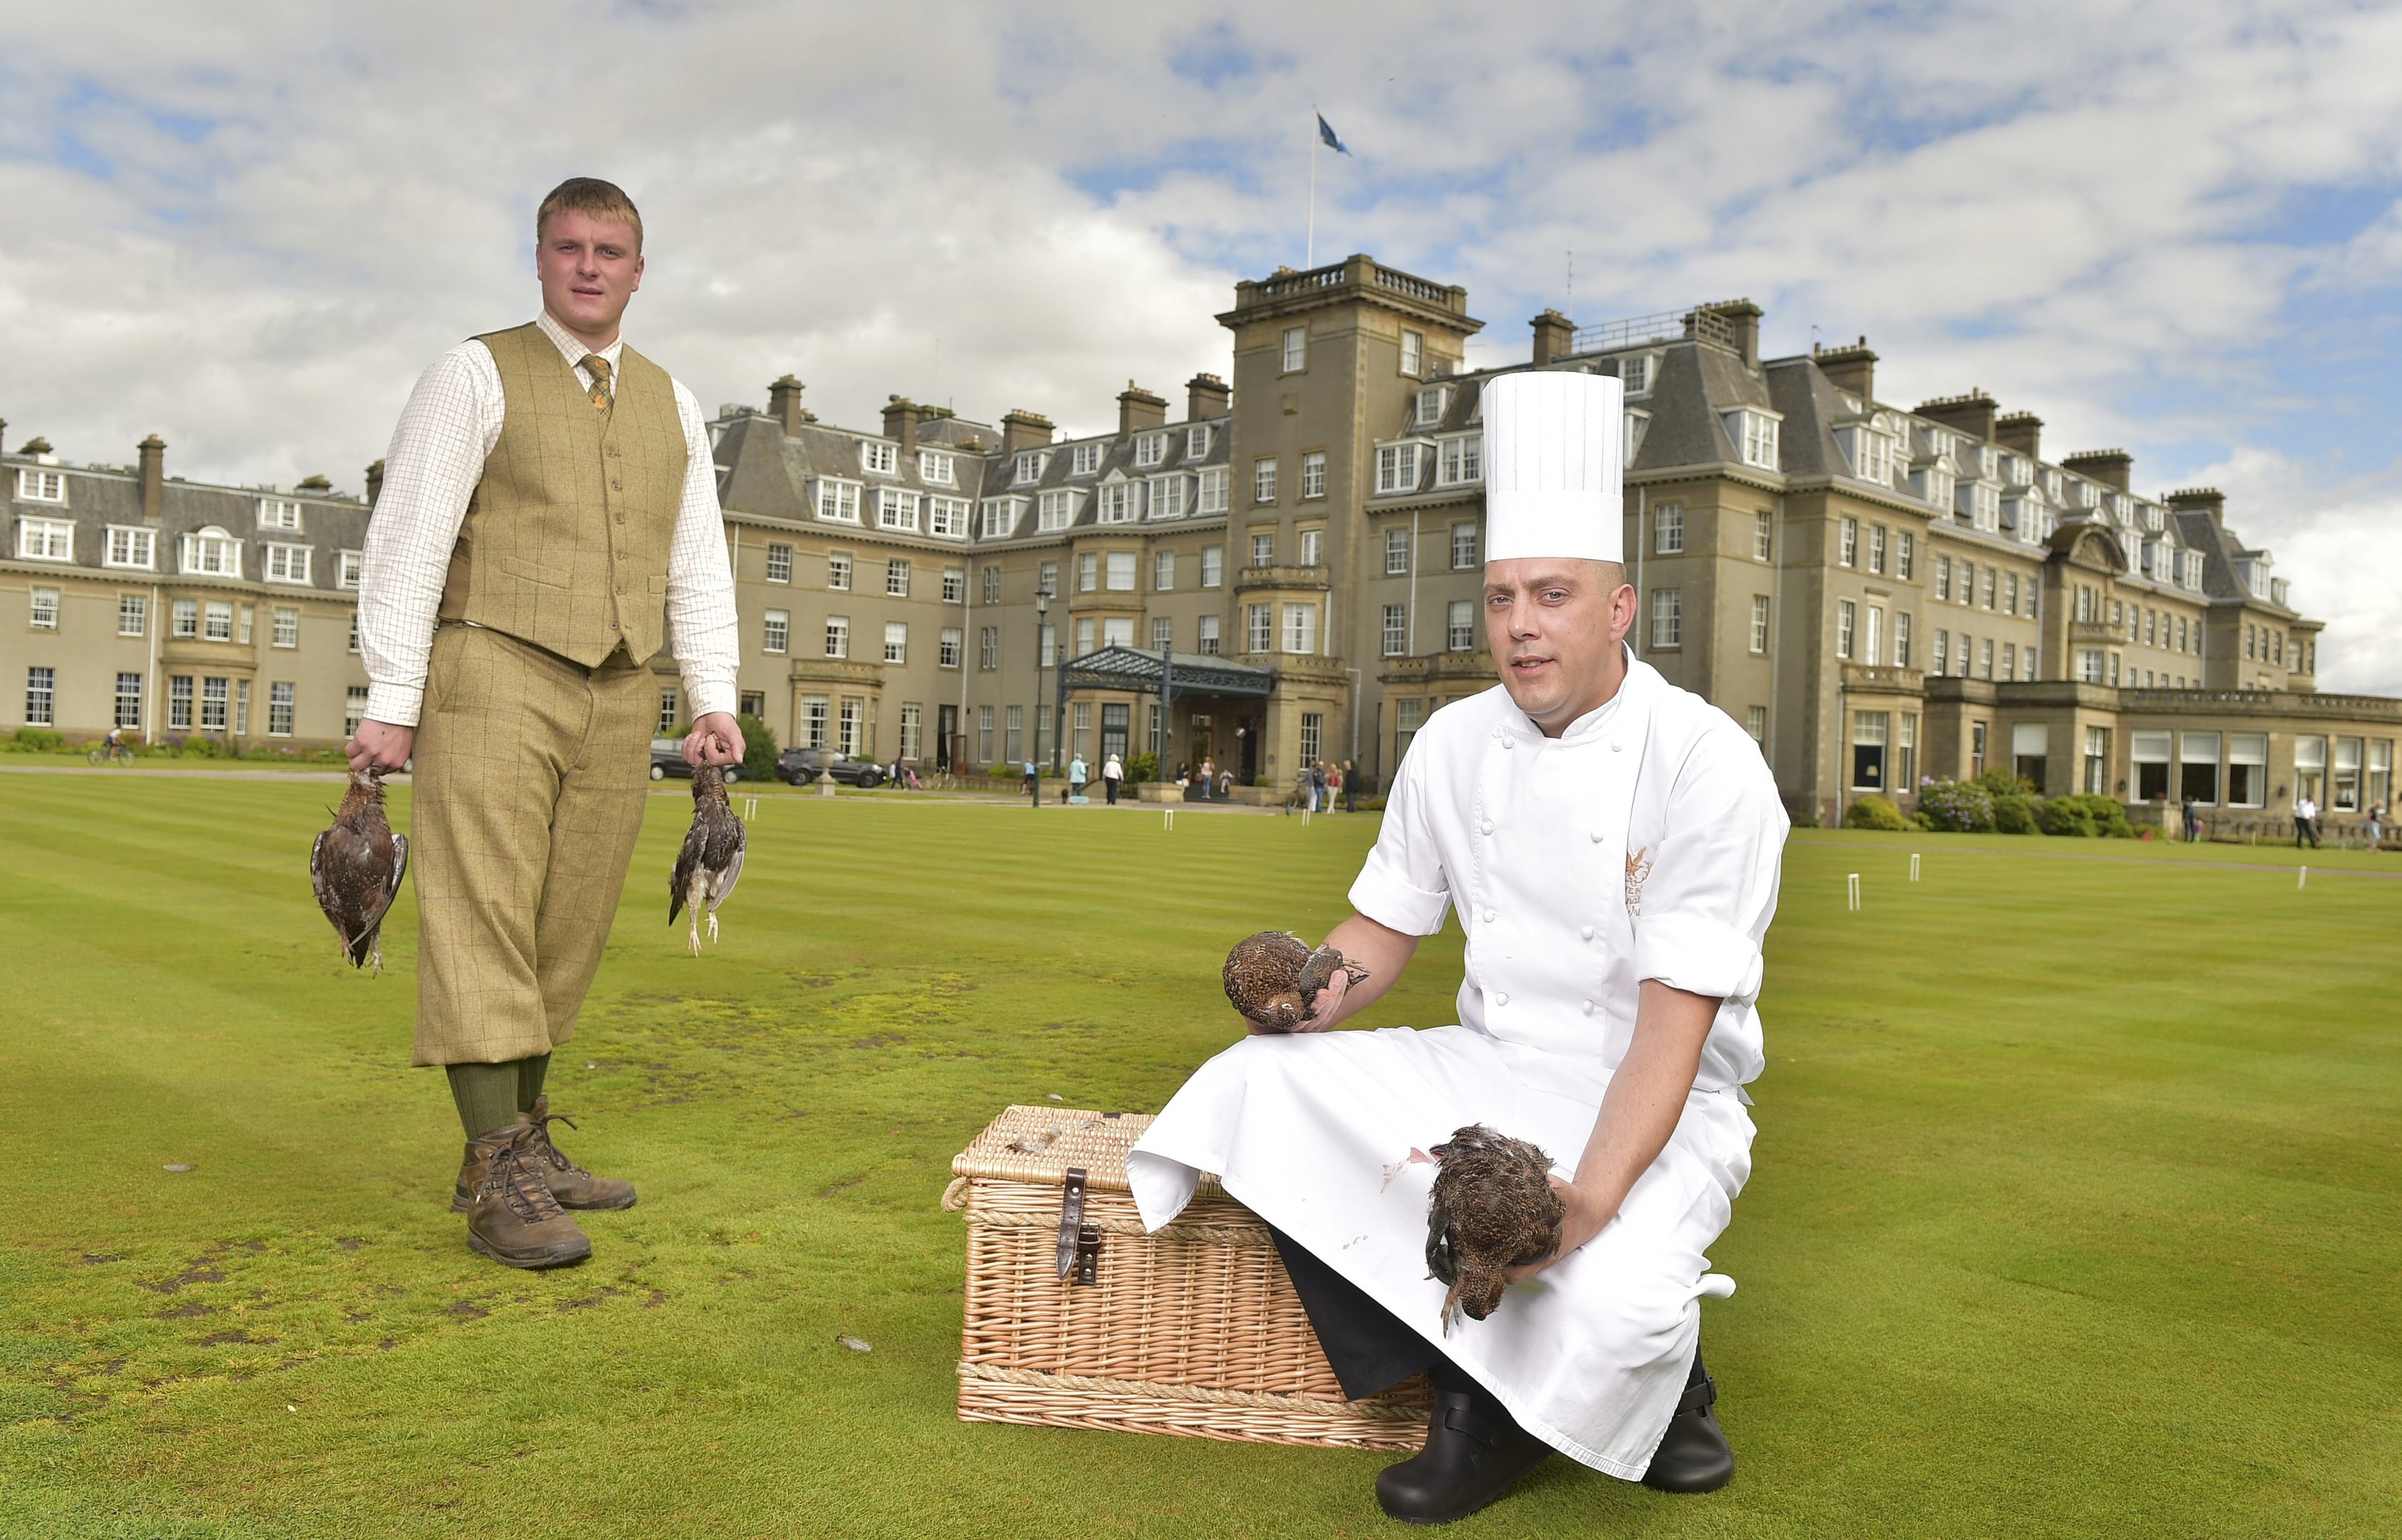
711	861
357	867
1492	1209
1274	978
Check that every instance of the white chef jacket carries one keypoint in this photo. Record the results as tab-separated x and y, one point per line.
1643	843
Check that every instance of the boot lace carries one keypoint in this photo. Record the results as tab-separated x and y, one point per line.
520	1188
544	1149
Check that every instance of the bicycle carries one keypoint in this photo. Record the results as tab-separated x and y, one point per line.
107	753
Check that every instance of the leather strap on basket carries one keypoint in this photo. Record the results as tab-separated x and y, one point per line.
1071	1218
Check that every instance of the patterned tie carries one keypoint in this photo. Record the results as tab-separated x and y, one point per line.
597	367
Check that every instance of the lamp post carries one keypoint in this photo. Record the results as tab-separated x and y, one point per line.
1034	749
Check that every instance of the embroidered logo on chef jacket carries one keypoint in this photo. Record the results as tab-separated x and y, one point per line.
1638	867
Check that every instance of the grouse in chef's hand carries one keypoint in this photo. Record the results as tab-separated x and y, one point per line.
1492	1209
711	861
357	867
1274	978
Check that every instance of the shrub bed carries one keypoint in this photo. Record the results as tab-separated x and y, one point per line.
1874	812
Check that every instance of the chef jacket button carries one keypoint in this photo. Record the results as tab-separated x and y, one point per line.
1509	743
1497	732
1490	917
1598	836
1588	1008
1500	1000
1489	825
1588	932
1616	744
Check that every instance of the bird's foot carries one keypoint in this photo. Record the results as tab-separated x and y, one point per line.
712	927
696	940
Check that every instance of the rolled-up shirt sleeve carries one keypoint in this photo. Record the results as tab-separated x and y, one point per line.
1711	889
1403	886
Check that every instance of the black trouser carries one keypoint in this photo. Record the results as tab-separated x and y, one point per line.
2302	831
1369	1347
1111	783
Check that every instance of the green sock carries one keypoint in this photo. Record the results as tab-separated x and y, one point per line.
487	1094
530	1074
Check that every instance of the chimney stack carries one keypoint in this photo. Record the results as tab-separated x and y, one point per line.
2021	431
2110	467
1971	414
1206	396
784	403
1852	368
1554	337
2200	499
1024	430
900	422
1137	409
1742	323
153	451
375	483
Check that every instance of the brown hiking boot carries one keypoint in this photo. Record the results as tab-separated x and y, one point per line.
511	1215
570	1183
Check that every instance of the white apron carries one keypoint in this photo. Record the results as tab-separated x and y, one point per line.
1315	1132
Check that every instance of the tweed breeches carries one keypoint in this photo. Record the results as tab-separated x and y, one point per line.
531	777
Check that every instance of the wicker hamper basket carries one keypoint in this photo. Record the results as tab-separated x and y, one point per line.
1194	1330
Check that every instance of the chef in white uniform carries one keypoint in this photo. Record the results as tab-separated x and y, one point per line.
1611	844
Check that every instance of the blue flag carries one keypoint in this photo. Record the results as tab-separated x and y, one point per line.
1326	136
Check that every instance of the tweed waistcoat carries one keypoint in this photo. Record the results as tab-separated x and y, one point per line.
565	542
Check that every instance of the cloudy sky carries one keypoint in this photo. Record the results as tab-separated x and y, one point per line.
2174	228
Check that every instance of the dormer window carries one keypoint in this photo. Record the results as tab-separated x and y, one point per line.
210	553
1398	467
1431	402
286	563
1029	466
1114	505
45	540
41	486
838	500
1460	461
896	510
276	513
1196	443
1001	517
1086	459
1169	495
131	545
1056	509
878	457
1150	451
1752	431
935	469
1869	451
1635	374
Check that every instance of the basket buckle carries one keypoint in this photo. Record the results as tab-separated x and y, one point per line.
1088	1254
1071	1223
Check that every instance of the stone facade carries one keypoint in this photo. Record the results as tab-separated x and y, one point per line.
1879	594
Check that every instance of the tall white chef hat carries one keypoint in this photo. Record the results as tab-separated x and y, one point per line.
1552	442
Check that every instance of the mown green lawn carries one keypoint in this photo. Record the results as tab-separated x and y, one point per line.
2073	1214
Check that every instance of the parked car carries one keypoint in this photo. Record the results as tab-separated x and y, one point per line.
667	759
800	765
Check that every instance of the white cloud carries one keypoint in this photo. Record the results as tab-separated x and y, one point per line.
2076	206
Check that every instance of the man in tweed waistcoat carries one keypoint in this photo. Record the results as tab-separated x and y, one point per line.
551	500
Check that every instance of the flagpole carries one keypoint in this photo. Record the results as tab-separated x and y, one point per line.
1309	251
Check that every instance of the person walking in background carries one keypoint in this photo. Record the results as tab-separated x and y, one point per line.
1027	786
1349	776
551	502
2193	820
1112	774
1076	776
1208	778
1318	786
2305	822
2376	826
